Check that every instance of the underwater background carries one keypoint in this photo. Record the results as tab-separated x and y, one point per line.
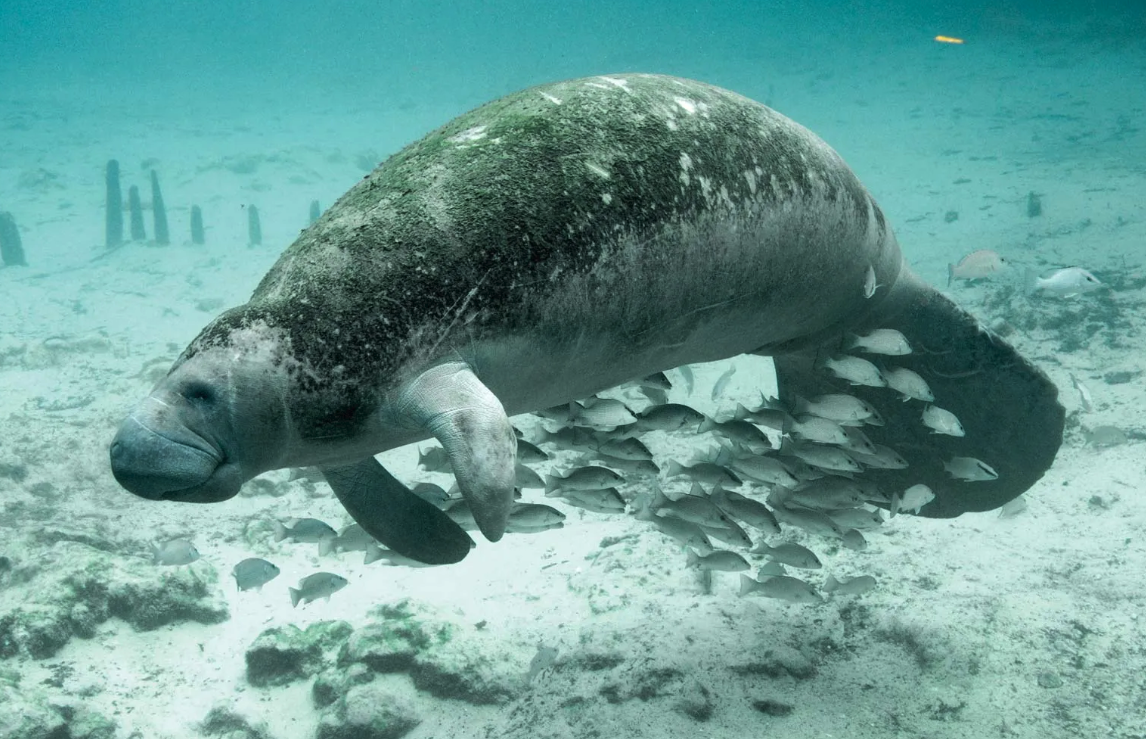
1011	127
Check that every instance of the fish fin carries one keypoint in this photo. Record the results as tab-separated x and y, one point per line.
468	420
1030	281
395	516
1008	407
295	597
281	531
692	559
373	554
325	546
746	584
950	273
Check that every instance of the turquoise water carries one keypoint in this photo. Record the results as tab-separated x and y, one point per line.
1009	127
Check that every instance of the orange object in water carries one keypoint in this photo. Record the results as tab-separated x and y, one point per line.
948	40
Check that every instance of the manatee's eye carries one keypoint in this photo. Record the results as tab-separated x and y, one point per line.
198	392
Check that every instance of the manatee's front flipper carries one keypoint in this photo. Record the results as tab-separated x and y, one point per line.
468	420
395	516
1009	408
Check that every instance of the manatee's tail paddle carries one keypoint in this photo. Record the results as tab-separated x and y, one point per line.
1009	408
395	516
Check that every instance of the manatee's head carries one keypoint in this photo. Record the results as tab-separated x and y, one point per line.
215	421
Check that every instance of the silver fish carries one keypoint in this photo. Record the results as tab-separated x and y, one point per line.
853	540
688	377
434	459
729	533
814	522
1065	283
857	441
633	468
780	587
914	498
254	573
825	493
1013	507
813	428
524	477
694	508
869	283
764	469
571	438
632	450
883	458
908	384
562	413
860	519
529	453
684	532
823	456
885	341
597	501
313	587
459	511
942	421
721	383
793	555
174	552
1083	393
704	472
976	266
718	561
766	415
374	553
668	417
534	515
353	538
741	432
605	413
657	380
305	530
752	512
431	493
837	407
545	657
584	478
853	586
856	370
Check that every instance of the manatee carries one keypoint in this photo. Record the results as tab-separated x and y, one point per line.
544	247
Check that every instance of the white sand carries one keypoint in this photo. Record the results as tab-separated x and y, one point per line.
994	602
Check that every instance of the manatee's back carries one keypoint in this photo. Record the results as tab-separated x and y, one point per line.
584	201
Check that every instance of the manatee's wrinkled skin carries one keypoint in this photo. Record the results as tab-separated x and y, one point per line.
556	242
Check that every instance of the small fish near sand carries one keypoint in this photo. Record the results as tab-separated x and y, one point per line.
886	341
544	658
318	585
254	573
304	531
1065	283
977	265
970	469
780	587
174	552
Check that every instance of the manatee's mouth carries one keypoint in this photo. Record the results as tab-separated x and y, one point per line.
176	464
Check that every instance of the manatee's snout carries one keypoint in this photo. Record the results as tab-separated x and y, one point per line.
172	463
